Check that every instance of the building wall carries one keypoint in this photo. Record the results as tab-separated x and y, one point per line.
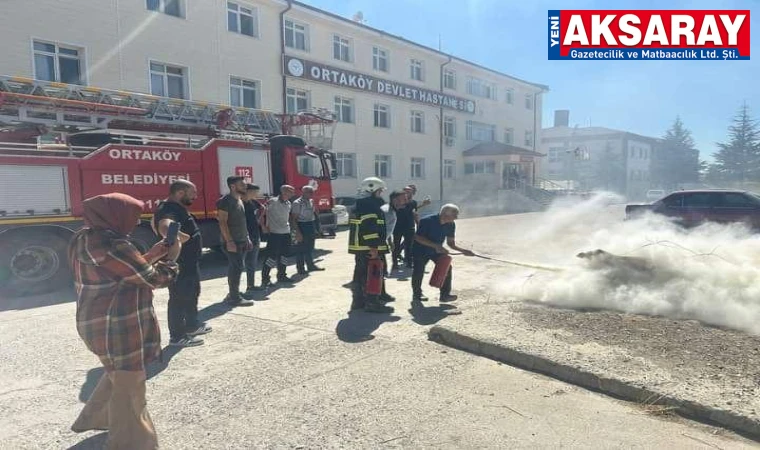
119	38
631	152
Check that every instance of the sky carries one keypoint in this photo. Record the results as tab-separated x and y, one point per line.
642	97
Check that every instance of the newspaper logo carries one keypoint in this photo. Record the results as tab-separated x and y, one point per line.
649	35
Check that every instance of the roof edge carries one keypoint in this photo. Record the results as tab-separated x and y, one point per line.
544	88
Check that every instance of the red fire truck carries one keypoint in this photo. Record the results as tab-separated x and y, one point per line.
60	144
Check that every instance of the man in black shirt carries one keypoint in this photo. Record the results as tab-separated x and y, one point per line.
235	241
184	291
253	210
405	226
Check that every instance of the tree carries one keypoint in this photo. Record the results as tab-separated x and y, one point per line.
676	160
739	158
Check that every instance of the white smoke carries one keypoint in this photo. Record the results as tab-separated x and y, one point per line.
710	274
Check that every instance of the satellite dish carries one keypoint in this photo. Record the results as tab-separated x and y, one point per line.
359	17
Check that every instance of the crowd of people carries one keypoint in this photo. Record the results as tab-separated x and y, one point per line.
115	281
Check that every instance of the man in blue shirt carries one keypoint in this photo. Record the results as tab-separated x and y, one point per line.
428	246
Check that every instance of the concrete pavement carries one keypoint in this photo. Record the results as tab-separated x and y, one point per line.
297	371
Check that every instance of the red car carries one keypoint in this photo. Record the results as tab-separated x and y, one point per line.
692	208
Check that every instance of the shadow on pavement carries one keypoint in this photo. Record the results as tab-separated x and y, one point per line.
95	442
359	325
422	315
10	303
93	375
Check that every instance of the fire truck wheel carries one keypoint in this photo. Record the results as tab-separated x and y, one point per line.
33	264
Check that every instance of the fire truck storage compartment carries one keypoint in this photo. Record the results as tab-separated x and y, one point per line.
253	164
34	190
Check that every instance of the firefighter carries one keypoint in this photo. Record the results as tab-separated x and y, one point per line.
367	240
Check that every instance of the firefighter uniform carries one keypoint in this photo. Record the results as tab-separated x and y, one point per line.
367	231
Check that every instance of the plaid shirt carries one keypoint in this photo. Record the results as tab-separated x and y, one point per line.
114	283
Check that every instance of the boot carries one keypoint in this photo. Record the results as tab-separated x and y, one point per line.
374	305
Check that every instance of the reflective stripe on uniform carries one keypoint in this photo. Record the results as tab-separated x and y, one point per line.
380	248
371	236
368	216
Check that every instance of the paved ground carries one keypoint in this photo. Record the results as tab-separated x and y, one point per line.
296	371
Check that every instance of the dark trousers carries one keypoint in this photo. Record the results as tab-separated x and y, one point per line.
183	299
251	264
235	268
276	251
420	261
305	257
361	261
407	234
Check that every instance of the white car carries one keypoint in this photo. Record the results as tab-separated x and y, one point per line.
341	214
655	194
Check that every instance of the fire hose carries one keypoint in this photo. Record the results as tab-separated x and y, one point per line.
514	263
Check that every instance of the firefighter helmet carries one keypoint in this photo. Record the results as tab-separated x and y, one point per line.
372	184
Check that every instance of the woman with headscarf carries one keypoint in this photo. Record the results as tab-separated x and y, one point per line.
115	316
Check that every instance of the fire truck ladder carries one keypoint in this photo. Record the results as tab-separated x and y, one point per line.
24	100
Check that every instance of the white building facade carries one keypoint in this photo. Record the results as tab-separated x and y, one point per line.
597	158
406	112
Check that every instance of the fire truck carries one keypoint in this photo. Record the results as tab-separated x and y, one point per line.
61	144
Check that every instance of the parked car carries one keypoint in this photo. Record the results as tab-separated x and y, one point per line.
692	208
655	194
341	214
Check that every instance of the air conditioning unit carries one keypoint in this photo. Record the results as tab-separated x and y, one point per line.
450	141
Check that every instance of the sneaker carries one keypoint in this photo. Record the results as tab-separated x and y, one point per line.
448	298
285	279
186	341
419	298
240	301
316	269
395	268
202	329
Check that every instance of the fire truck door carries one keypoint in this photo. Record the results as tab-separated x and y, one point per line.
251	164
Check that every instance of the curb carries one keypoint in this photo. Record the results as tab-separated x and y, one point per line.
613	387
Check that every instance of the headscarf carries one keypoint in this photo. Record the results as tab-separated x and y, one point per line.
116	212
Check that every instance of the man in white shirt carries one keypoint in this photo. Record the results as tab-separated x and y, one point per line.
278	242
302	217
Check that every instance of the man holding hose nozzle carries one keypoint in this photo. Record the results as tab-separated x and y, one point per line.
428	246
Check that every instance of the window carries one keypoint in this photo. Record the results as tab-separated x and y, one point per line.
346	164
733	200
477	131
480	88
174	8
528	101
417	69
168	81
383	166
380	59
528	138
510	96
418	168
450	127
382	116
244	93
341	48
418	122
344	109
306	165
641	153
243	20
509	136
296	35
700	200
449	169
449	79
297	100
479	167
58	63
673	201
555	154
